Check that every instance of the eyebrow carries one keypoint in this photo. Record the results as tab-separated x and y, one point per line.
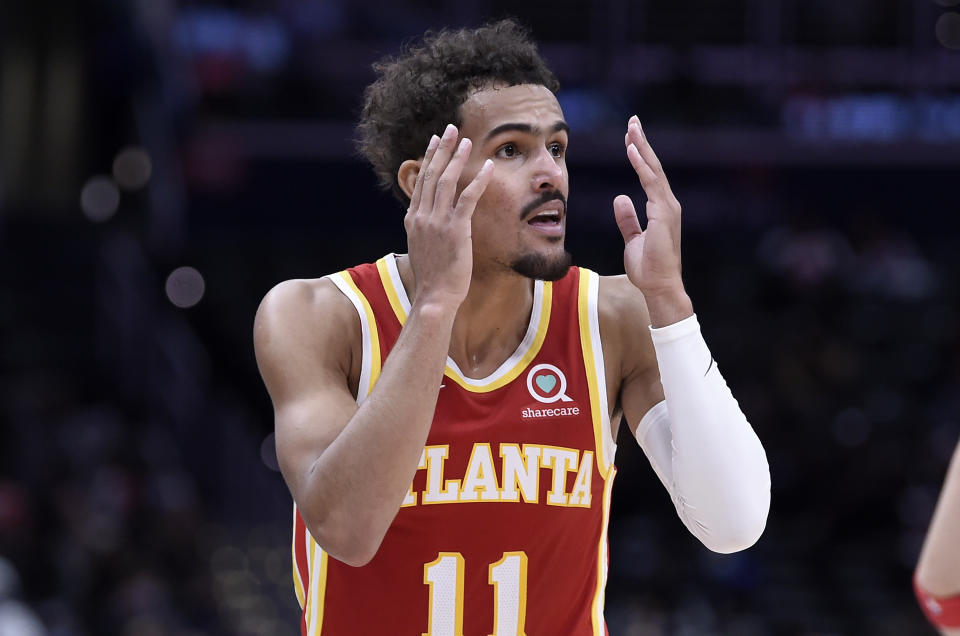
526	128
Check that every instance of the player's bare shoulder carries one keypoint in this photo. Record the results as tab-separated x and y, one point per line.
306	308
304	327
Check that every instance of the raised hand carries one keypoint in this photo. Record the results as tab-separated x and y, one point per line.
651	257
438	226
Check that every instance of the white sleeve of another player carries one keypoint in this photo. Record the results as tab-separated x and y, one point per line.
702	447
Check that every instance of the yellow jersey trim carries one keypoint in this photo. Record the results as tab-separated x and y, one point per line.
370	370
392	294
318	587
309	611
602	562
593	366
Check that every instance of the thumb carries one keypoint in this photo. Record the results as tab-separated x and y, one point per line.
626	216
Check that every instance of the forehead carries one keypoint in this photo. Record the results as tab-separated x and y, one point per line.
487	108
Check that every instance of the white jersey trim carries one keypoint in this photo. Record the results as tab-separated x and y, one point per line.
363	387
609	444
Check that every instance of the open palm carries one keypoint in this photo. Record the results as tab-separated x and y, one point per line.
651	257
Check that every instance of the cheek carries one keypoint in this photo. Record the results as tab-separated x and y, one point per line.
495	217
493	204
505	192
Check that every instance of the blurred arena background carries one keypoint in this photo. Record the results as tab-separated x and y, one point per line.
163	163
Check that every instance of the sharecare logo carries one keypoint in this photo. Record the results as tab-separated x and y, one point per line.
563	411
546	383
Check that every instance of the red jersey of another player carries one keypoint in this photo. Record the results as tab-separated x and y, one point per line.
942	611
504	529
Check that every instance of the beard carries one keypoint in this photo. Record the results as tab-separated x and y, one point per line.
540	267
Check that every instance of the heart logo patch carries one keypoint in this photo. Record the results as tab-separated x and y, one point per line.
546	382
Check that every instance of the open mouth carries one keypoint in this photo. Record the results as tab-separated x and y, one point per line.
546	218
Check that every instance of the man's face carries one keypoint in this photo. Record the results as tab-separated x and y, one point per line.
520	220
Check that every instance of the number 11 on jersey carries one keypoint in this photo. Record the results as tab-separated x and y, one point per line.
508	576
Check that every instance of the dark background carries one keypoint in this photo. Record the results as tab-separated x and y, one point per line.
813	144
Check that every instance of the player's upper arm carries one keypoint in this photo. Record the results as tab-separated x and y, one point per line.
627	348
304	337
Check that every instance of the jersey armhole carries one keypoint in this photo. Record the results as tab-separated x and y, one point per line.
370	357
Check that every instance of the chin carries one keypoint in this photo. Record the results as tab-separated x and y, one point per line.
542	266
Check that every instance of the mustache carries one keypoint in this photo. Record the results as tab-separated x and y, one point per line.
549	195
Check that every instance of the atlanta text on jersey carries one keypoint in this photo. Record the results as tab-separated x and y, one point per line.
518	480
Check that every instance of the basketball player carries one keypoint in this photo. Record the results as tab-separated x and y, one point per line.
937	579
445	419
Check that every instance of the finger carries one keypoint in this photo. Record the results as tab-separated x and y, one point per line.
650	157
448	180
467	202
651	182
438	164
630	122
639	139
634	132
418	186
626	216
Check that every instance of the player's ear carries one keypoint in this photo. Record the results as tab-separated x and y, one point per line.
407	175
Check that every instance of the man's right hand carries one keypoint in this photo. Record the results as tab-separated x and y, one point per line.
349	465
439	230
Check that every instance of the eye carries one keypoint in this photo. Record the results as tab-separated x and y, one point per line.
508	151
556	149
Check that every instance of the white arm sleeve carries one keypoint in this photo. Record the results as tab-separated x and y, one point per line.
702	447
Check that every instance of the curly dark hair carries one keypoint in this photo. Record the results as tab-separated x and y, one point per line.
420	91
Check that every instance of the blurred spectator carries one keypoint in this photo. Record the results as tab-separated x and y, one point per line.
814	147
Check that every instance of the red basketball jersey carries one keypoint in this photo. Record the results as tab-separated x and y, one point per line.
504	529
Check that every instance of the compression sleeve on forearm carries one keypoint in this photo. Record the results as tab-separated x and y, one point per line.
702	447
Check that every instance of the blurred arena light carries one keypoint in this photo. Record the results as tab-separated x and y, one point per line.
948	30
132	168
185	287
873	118
15	617
99	198
226	44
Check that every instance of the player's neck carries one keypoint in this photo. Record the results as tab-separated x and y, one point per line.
491	321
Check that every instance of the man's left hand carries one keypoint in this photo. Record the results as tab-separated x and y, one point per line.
651	257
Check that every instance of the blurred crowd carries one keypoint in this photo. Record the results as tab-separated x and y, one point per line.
163	164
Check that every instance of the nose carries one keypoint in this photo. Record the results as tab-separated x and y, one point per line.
547	171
